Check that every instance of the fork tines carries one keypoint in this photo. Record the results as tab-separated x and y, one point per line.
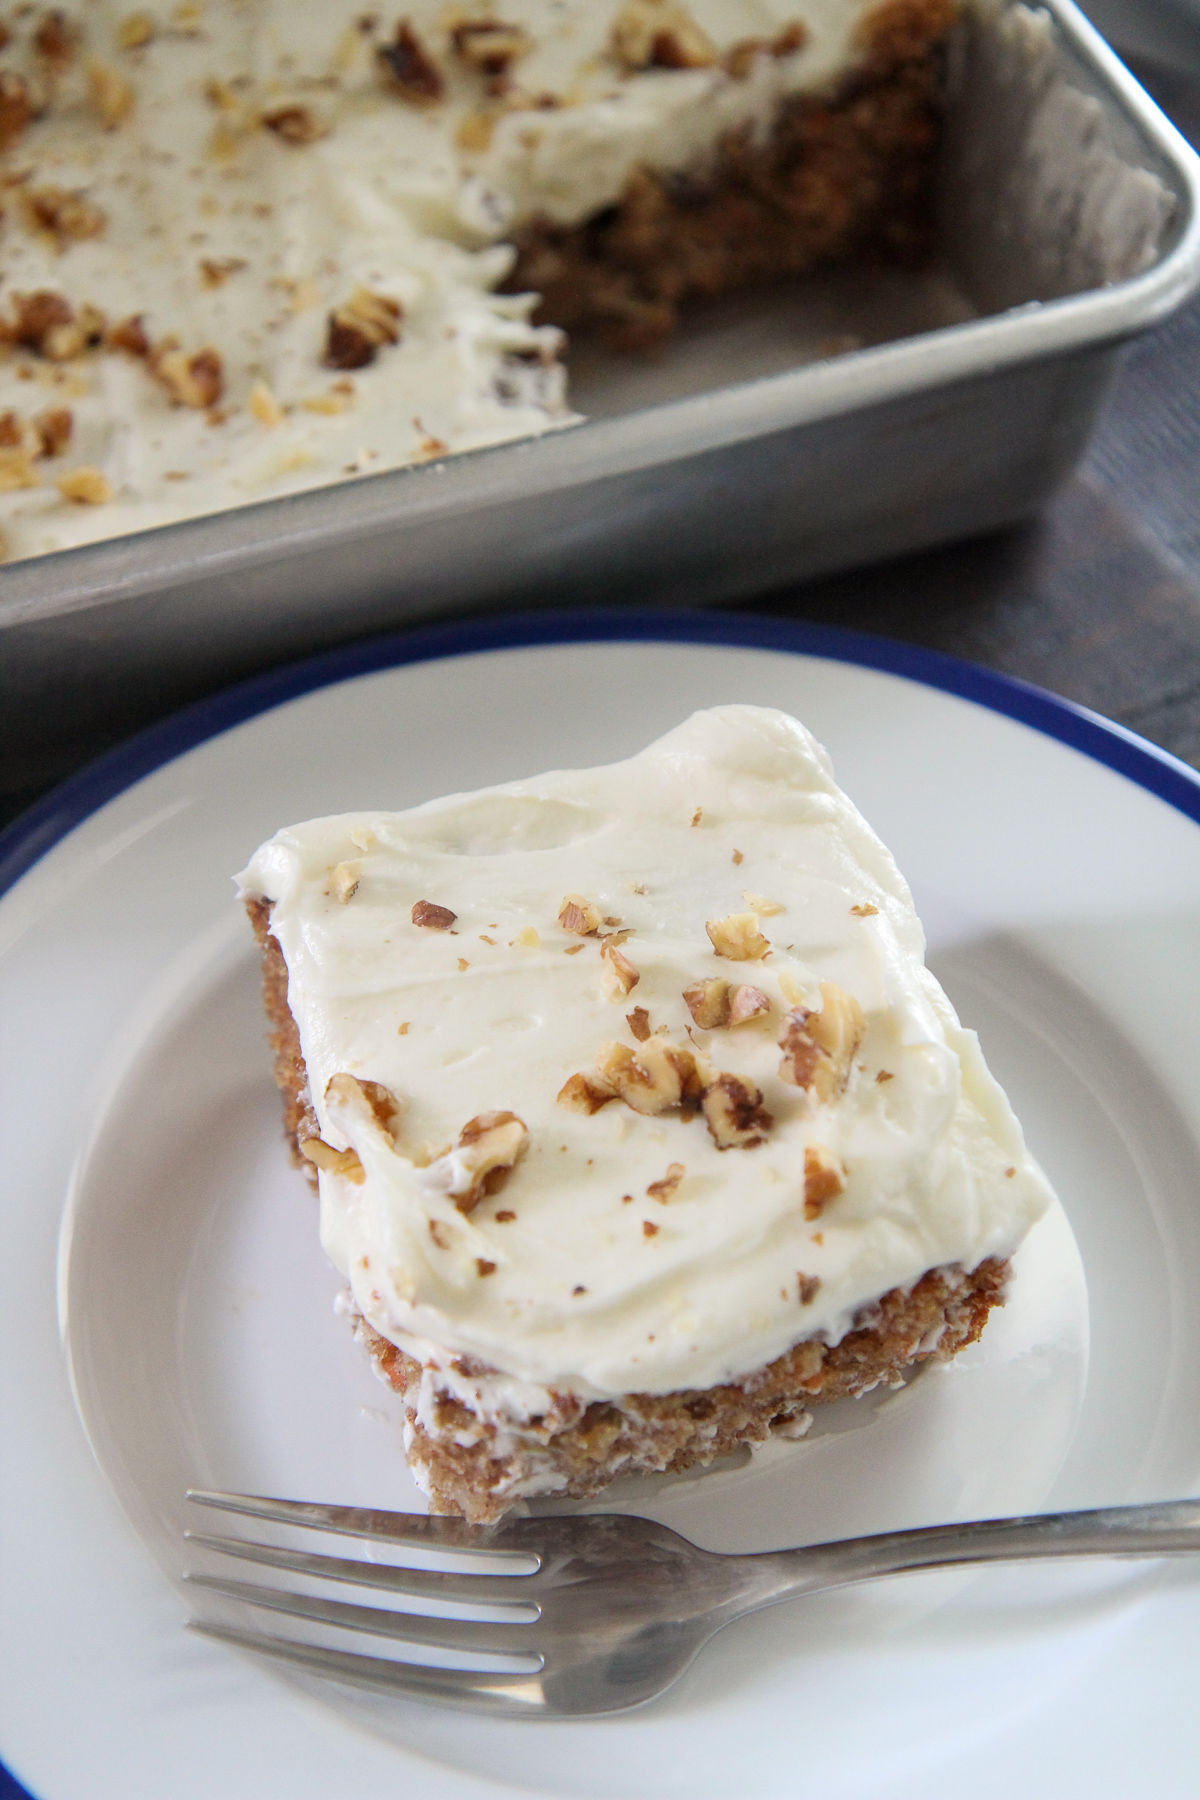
480	1661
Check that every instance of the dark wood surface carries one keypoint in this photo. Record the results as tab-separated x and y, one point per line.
1098	600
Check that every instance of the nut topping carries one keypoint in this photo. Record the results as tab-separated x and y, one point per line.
618	976
344	1089
807	1287
66	215
656	34
410	70
715	1003
197	381
580	1094
824	1179
735	1114
85	486
356	331
579	916
662	1189
111	94
344	881
489	1148
819	1047
332	1162
737	937
434	918
490	47
295	124
638	1022
659	1078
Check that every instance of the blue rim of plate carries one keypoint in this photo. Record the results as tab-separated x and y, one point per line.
49	820
30	837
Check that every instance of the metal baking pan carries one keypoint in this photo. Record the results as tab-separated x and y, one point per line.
745	458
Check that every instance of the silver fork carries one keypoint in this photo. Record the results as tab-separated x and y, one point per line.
602	1611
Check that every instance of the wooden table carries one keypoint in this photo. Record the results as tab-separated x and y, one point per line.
1098	600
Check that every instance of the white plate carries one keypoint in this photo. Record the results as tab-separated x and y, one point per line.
1057	865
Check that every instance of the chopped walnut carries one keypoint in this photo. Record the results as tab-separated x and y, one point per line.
12	431
134	31
344	1089
489	1148
638	1022
344	881
295	124
17	107
409	68
53	430
737	937
708	1003
111	94
737	857
697	816
216	270
357	330
85	486
434	918
332	1162
649	1228
658	1079
484	1266
819	1047
440	1234
17	471
263	406
65	214
824	1180
663	1189
865	911
735	1114
884	1075
47	323
767	909
56	38
618	976
657	34
741	57
197	380
746	1003
128	335
807	1287
490	47
580	1094
579	916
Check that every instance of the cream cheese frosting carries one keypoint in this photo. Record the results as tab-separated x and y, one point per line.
229	174
625	1250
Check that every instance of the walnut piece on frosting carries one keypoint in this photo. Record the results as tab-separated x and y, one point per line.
657	34
489	1148
659	1078
819	1047
716	1003
491	47
432	917
617	974
824	1179
579	916
737	937
734	1113
581	1094
409	69
332	1162
357	330
85	486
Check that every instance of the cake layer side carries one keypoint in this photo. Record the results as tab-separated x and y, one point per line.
846	174
478	1468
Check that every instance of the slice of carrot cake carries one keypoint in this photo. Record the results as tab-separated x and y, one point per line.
639	1124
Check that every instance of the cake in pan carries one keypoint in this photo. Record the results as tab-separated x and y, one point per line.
254	248
639	1124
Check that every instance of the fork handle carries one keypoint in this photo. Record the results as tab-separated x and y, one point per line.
1162	1529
